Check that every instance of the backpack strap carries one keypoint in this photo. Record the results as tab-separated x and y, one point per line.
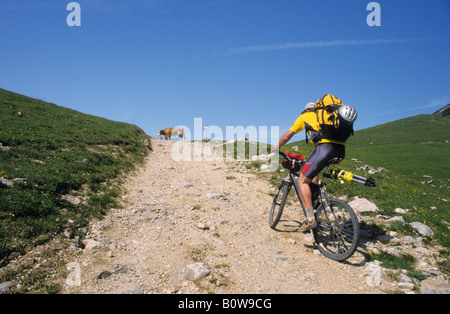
308	128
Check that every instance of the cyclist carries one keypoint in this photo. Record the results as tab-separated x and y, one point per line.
325	150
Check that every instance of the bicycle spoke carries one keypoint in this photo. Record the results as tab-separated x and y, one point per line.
337	232
335	243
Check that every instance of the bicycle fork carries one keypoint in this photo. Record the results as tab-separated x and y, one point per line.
322	196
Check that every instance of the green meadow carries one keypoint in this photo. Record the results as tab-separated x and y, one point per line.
59	169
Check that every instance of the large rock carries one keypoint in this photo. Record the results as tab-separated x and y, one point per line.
192	272
6	182
361	205
13	181
104	274
90	244
373	273
422	229
434	285
4	287
386	239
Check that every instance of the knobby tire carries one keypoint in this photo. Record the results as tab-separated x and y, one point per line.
337	232
278	204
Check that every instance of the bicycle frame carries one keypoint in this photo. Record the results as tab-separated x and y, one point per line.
294	180
294	176
337	231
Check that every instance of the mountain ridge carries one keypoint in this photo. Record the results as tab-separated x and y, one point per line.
444	111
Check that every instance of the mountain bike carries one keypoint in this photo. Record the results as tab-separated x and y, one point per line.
337	231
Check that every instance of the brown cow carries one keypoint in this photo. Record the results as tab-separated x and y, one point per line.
169	132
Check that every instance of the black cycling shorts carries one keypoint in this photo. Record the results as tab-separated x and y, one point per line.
321	157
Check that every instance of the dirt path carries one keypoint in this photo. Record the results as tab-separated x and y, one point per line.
177	214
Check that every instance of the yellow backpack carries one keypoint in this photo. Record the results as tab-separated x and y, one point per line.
328	100
331	127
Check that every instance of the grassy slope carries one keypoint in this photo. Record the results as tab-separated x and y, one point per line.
410	149
59	151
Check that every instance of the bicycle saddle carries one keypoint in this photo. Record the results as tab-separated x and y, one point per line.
335	161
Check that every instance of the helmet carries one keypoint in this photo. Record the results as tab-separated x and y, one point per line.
310	105
348	113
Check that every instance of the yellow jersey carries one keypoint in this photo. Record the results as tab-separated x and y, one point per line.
309	121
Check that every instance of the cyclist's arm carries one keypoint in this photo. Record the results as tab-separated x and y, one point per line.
284	139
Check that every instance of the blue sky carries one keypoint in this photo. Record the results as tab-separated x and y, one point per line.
162	63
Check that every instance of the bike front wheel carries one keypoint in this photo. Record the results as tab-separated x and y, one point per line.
278	204
337	232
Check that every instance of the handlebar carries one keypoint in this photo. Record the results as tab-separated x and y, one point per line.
281	153
340	174
290	156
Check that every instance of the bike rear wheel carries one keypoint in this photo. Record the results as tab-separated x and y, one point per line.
278	203
337	232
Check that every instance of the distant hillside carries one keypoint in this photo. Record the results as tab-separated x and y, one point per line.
418	144
443	112
415	151
57	166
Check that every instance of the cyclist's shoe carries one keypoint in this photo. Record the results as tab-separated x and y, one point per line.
308	225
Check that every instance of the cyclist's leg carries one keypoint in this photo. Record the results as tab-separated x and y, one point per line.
316	162
305	190
306	195
306	177
309	173
321	157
